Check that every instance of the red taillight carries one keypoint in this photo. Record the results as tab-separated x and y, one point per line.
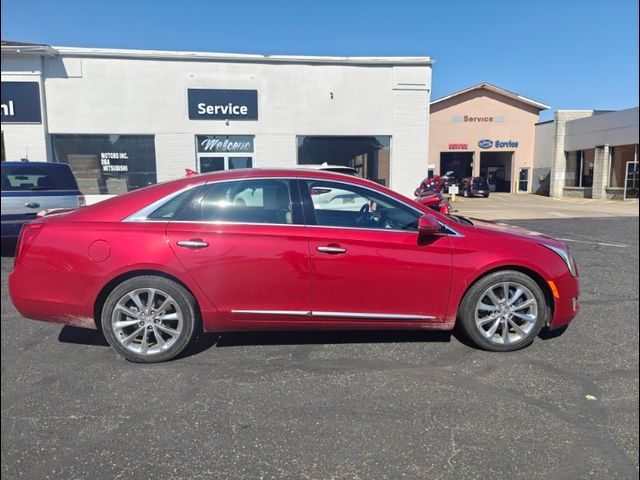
318	191
82	201
28	234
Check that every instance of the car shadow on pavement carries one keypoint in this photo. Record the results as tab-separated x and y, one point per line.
82	336
204	341
317	337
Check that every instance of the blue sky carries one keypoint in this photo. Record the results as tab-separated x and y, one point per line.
567	54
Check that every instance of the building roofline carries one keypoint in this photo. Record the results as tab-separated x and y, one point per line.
211	56
23	48
498	90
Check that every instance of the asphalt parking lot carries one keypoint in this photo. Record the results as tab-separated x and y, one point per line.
340	405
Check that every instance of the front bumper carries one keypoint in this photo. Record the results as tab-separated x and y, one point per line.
566	307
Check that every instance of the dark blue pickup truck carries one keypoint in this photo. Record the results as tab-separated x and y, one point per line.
30	187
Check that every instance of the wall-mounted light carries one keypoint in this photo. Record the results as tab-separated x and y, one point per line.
226	122
331	95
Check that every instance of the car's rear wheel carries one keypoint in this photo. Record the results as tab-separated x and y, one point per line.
503	311
149	318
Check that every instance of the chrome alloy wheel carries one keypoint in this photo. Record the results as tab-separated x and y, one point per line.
147	321
506	313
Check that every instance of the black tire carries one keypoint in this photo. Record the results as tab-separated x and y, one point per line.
467	311
486	195
184	303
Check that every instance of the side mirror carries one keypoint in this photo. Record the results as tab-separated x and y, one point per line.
428	225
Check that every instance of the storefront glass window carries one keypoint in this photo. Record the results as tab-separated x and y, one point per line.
370	156
108	164
579	168
619	158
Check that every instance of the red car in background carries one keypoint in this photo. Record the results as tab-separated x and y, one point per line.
255	250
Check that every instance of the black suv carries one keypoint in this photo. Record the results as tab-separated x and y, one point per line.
474	186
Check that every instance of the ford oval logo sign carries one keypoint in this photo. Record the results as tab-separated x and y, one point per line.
486	143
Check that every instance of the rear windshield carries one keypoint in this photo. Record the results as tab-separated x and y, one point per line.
53	176
479	182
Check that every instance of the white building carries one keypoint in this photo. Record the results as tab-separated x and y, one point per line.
124	119
588	153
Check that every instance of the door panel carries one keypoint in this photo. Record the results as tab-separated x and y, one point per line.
368	261
379	272
246	267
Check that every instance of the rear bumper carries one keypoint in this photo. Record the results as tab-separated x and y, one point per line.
566	308
28	288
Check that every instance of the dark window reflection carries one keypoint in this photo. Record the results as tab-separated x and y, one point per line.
368	155
108	164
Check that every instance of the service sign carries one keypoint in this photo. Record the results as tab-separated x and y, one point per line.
208	104
21	102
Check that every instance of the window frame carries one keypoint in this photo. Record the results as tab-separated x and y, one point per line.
300	204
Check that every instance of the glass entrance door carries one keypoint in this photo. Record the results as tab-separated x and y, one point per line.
523	180
211	164
223	152
632	181
208	164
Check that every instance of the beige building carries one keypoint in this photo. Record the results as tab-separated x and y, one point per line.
485	131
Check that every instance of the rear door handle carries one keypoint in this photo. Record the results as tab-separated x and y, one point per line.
192	243
332	250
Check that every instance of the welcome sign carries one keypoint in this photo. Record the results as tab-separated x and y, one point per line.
208	104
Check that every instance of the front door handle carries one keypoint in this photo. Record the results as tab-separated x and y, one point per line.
193	243
32	205
332	250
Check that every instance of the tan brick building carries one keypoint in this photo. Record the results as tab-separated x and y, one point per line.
485	131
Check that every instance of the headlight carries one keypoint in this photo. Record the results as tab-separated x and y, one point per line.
566	256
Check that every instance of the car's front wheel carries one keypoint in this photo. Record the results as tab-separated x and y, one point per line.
503	311
149	318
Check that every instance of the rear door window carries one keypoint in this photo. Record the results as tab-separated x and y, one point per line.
32	178
245	201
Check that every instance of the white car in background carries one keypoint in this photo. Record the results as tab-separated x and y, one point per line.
335	198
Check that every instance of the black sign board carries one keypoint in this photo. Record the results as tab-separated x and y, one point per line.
21	102
207	104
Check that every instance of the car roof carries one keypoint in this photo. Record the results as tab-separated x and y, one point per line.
325	166
265	172
38	164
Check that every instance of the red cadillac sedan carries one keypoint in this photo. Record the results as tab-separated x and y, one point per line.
285	249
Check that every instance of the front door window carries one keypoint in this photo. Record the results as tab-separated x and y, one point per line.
349	206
